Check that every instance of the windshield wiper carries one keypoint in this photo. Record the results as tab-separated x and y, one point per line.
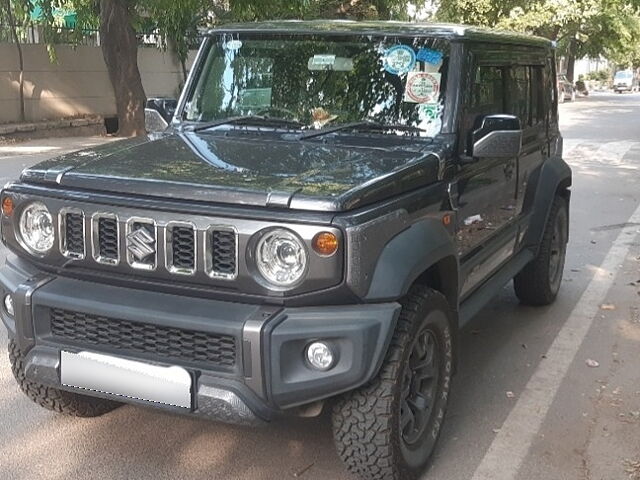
258	119
364	125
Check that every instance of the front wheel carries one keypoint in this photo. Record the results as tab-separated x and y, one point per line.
387	430
539	282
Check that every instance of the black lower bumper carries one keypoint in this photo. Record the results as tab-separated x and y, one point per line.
247	361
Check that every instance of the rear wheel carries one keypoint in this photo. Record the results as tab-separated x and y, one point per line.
387	430
53	399
539	282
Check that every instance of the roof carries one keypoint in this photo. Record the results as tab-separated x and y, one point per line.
403	29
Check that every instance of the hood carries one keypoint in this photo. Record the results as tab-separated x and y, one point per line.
249	170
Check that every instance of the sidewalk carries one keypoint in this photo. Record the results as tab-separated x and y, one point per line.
69	127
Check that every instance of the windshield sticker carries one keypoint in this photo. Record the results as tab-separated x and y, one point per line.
429	111
422	87
330	62
252	98
429	56
399	60
322	62
233	45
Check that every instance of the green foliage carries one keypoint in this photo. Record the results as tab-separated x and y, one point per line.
581	27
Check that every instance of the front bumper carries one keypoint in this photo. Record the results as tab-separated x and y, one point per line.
257	371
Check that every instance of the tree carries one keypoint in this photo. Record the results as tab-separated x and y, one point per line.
580	27
14	13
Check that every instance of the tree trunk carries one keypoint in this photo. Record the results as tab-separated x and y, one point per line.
14	33
571	61
120	52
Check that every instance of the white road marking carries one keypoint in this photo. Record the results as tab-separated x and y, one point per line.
511	445
614	152
583	152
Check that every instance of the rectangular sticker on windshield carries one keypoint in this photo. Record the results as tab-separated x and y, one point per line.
255	98
330	62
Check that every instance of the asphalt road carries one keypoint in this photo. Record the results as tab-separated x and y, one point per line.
525	404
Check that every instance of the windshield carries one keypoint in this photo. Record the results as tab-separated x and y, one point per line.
626	75
323	81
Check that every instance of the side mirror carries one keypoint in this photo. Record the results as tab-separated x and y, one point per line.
158	113
496	136
153	121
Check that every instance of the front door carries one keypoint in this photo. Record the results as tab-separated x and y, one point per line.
485	191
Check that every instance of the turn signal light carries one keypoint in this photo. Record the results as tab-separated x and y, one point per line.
325	243
7	206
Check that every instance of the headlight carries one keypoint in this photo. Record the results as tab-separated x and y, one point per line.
36	229
281	258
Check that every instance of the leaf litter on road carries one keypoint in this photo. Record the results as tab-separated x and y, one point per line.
632	467
592	363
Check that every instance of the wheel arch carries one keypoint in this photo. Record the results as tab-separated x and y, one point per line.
555	179
423	254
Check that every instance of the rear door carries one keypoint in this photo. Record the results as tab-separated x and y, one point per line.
528	96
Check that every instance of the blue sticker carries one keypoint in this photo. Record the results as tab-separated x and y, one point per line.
399	60
429	56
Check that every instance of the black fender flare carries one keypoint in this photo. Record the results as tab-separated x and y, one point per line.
407	256
555	176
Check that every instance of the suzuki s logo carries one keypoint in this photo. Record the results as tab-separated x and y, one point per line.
141	244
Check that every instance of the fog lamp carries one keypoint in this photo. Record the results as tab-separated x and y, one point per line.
8	305
320	356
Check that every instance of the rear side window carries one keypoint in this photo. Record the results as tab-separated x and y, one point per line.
526	94
520	93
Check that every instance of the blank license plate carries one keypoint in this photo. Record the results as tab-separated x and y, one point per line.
117	376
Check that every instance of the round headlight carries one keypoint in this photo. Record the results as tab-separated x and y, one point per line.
36	228
281	258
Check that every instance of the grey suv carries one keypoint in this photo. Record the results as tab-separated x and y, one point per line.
331	204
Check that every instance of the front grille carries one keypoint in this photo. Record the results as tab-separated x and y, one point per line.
182	249
148	244
133	337
223	253
108	239
73	235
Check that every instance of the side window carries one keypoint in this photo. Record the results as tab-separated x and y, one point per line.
538	113
487	96
526	94
520	94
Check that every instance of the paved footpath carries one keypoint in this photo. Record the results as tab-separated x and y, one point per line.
525	403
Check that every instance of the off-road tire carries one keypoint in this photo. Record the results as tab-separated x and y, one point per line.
366	422
533	284
53	399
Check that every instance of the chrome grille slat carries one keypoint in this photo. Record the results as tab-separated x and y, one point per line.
181	248
105	238
222	252
72	241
